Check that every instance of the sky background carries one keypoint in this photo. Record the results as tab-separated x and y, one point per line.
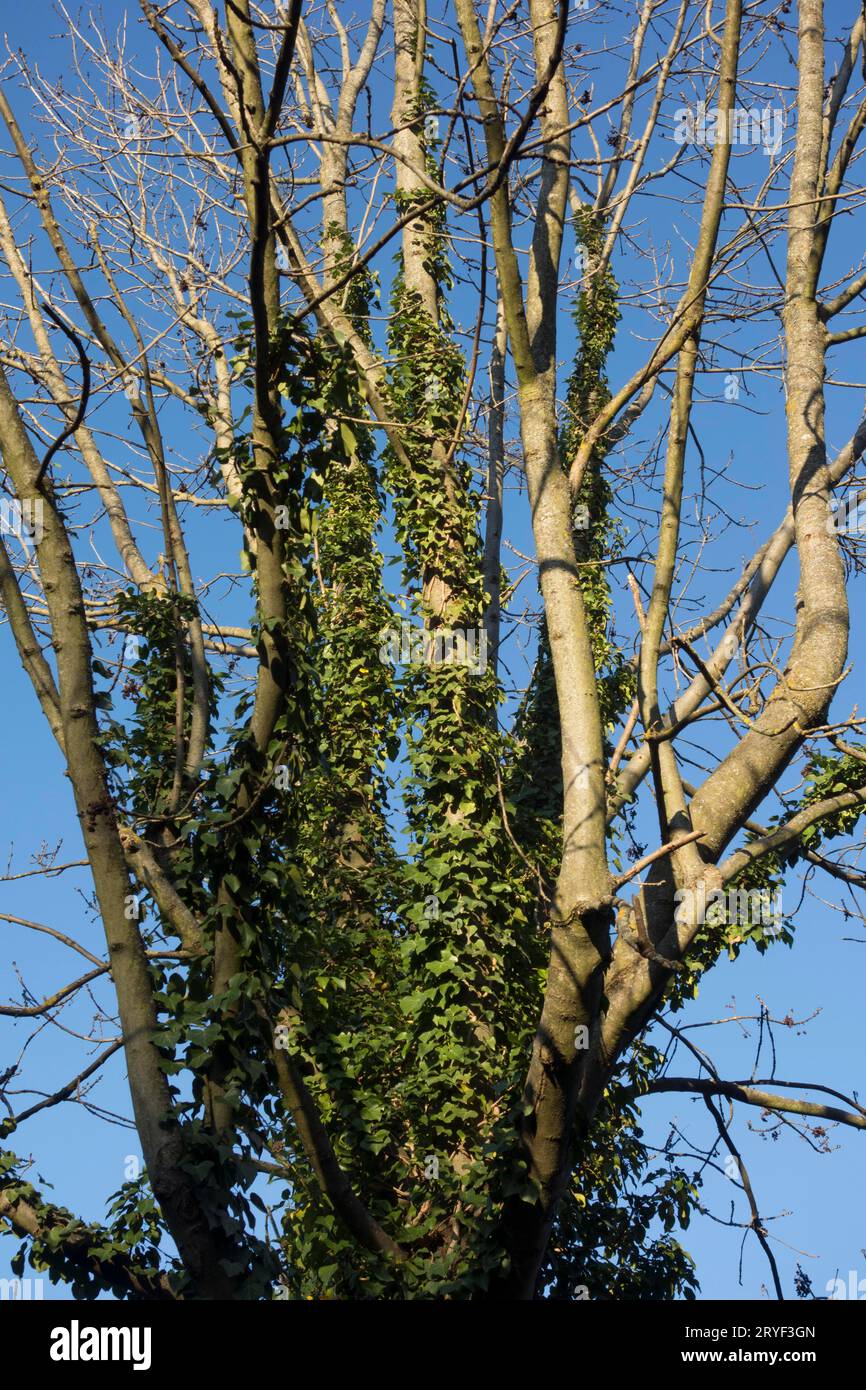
814	1198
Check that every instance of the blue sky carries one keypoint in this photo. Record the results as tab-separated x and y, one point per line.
85	1158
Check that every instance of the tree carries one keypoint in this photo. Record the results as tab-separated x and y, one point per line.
387	995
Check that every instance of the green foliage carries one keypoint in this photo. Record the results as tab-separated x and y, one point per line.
752	911
389	918
108	1259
